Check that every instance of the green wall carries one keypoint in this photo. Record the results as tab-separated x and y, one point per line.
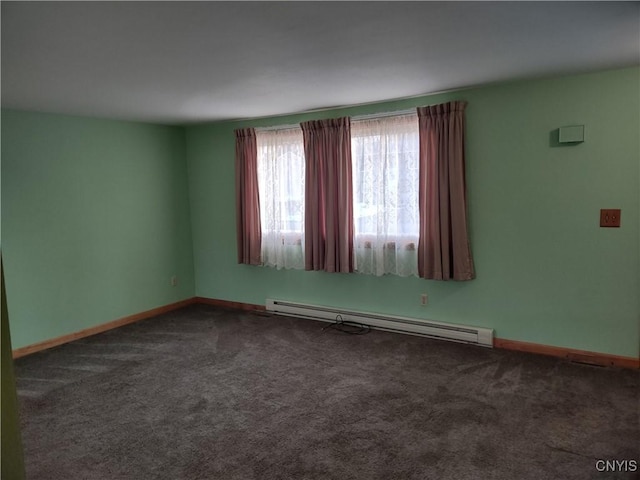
97	215
95	221
546	272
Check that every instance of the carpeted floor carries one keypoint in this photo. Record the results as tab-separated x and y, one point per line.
207	393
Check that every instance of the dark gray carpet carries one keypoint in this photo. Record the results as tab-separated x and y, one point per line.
206	393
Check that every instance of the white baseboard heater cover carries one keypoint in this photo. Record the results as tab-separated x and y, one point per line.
413	326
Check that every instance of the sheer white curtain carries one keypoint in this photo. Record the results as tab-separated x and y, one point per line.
385	155
281	187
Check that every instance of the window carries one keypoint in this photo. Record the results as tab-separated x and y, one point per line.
385	156
385	165
281	167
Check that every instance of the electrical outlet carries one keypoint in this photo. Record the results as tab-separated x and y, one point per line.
174	281
424	299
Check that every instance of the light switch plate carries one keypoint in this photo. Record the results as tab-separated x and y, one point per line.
610	217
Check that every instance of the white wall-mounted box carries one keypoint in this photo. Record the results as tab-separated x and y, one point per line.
571	134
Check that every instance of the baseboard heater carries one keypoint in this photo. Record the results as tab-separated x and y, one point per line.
412	326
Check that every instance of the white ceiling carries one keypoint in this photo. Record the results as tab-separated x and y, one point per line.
185	62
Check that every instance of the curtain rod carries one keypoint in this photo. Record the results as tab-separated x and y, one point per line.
397	113
371	116
277	127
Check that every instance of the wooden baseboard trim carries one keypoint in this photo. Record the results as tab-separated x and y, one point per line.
228	304
54	342
582	356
